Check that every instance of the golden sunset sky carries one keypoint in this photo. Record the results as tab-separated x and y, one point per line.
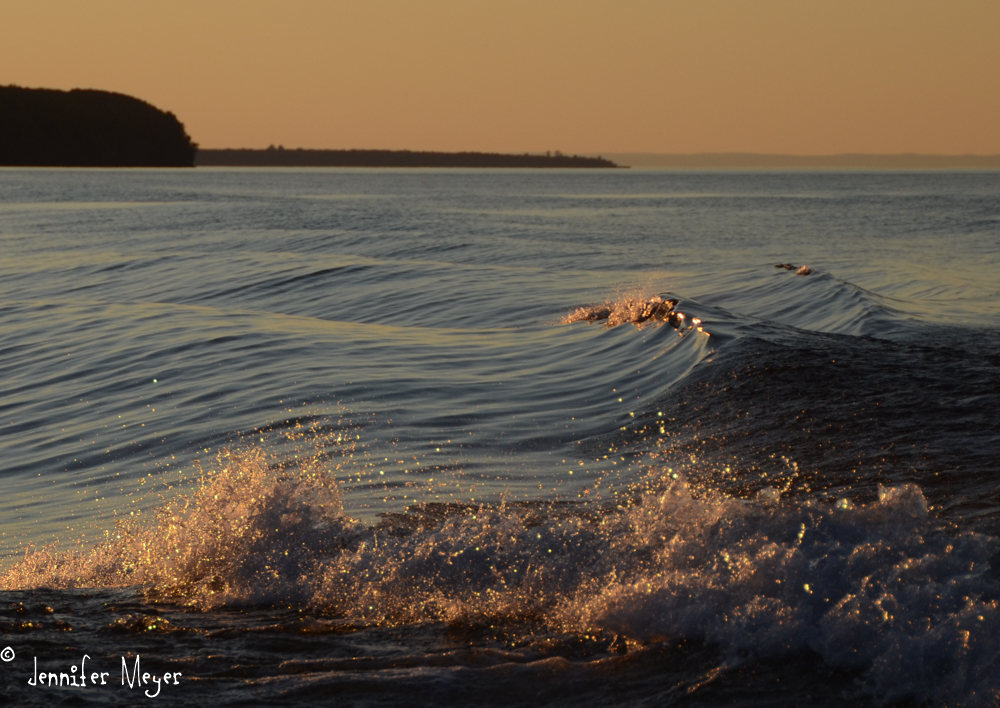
771	76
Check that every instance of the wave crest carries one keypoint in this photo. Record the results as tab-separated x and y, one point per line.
640	311
248	532
877	587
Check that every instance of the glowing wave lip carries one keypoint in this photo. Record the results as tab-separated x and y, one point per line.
800	270
639	311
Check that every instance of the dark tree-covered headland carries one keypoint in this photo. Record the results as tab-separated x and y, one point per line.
88	128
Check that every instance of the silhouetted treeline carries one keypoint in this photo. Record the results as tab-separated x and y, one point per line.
279	157
88	128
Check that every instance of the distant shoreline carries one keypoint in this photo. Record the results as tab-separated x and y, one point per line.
743	160
280	157
300	157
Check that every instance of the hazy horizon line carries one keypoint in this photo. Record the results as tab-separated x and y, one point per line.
912	160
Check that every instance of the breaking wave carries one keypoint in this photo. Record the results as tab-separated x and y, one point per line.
640	311
883	588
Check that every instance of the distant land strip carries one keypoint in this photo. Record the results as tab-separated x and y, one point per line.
299	157
747	160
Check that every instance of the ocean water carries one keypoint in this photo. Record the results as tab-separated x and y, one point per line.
365	437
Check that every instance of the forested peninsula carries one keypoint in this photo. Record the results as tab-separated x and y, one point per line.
88	128
280	157
91	128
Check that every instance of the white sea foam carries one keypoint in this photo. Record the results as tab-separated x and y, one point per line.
881	587
639	310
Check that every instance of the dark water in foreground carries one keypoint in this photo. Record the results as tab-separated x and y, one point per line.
323	437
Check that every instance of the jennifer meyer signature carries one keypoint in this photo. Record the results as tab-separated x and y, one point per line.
78	676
